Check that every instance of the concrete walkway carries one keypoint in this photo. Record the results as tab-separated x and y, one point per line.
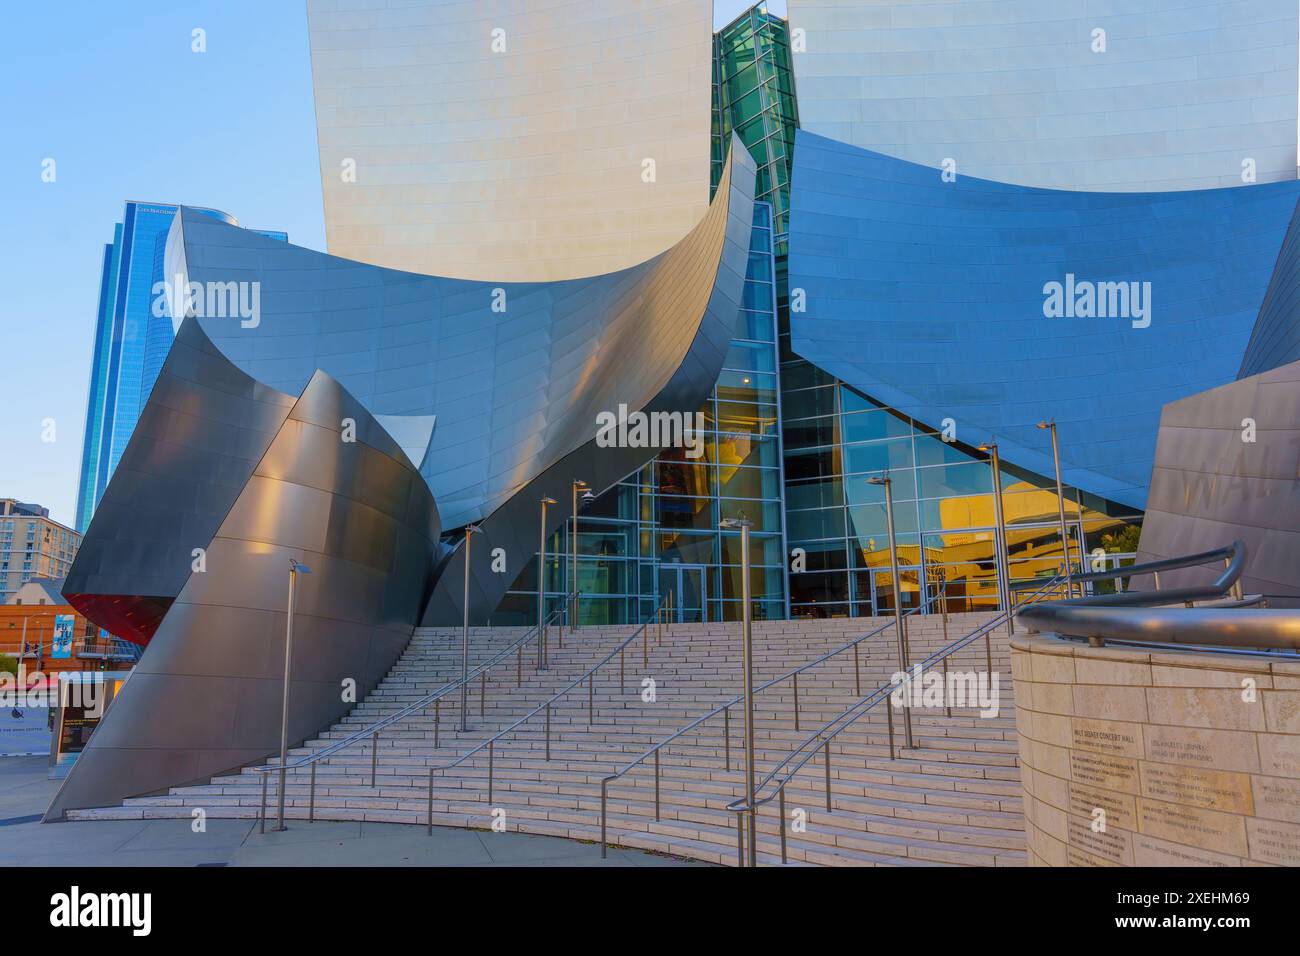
25	841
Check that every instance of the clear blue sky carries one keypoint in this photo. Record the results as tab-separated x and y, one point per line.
112	92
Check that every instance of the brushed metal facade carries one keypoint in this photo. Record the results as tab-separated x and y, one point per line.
515	373
506	139
501	406
206	695
715	256
201	433
1216	479
929	296
1013	91
1275	339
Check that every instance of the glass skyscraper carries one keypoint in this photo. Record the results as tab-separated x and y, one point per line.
130	341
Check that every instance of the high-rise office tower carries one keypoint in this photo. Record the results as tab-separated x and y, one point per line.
131	341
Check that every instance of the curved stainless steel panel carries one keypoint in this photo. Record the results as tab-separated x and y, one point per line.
1226	466
506	140
206	695
932	298
515	373
199	436
1021	91
712	258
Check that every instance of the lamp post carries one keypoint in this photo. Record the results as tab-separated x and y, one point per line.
904	656
1000	545
470	531
578	485
748	652
1060	505
541	590
295	568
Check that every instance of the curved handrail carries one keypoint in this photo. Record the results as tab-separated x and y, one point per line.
1228	623
857	710
761	687
545	706
368	732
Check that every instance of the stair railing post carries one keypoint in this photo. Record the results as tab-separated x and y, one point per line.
796	702
857	672
311	802
548	731
428	826
374	756
263	813
726	734
482	691
604	794
437	721
781	821
889	714
826	759
591	680
491	744
656	785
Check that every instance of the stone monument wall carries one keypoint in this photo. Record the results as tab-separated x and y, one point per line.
1155	758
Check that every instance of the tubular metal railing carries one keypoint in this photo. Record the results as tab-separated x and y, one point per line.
372	731
821	739
725	710
589	676
1225	621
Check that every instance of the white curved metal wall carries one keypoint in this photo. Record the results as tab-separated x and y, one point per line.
1012	90
522	164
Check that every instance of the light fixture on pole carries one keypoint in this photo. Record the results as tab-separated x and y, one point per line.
470	531
900	625
1060	506
587	498
541	589
295	568
731	524
1000	557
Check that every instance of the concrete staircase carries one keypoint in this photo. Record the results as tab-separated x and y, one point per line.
953	800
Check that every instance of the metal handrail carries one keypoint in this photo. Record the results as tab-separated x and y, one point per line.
1225	621
724	708
546	706
851	715
370	730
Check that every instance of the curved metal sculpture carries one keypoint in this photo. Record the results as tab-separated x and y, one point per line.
332	489
936	298
199	437
496	389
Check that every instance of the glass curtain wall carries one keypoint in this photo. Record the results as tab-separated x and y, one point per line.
657	530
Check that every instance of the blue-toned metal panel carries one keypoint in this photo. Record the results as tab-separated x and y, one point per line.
1276	339
931	296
